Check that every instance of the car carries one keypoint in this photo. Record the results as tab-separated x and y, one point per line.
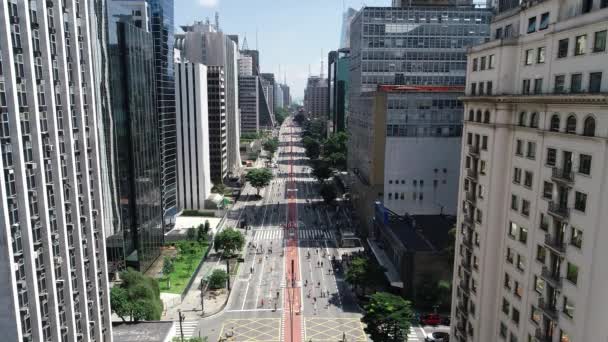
430	319
438	336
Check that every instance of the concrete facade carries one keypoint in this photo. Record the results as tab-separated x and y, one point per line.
532	198
316	97
250	103
245	65
218	144
193	164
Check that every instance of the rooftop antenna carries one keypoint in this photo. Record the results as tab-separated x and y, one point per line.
256	39
321	75
245	46
284	77
217	21
309	72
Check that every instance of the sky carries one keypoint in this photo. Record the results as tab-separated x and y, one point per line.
294	34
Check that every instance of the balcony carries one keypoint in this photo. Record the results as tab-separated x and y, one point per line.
471	197
552	277
474	150
466	265
555	243
472	173
549	309
562	176
559	210
468	220
468	241
540	336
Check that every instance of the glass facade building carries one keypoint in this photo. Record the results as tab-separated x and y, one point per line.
163	30
137	240
338	64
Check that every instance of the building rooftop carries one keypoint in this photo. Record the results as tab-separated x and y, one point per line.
423	233
159	331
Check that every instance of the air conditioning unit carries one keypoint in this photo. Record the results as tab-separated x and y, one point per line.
32	166
49	148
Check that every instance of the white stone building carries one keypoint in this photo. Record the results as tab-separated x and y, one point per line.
533	197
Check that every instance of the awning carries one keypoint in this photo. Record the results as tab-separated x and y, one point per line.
384	261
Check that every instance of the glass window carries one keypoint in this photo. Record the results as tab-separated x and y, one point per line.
531	24
514	206
580	201
507	282
547	190
515	316
525	208
528	175
568	307
482	64
580	45
473	88
540	55
595	82
576	82
584	164
519	148
474	64
523	235
541	253
538	85
589	127
555	123
491	62
498	34
535	315
529	60
560	81
544	21
562	48
576	237
531	152
517	175
489	89
539	284
599	41
534	120
505	306
508	31
525	89
571	124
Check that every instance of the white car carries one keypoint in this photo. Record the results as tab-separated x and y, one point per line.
438	336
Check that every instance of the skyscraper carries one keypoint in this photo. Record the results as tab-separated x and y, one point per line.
245	65
255	56
286	95
216	99
316	97
136	241
529	262
337	65
53	98
250	104
163	31
278	96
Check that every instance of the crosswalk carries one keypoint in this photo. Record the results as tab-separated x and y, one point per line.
303	234
188	328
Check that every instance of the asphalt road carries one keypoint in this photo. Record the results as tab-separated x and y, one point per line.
256	309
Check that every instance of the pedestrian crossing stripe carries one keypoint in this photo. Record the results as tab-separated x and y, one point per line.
304	234
188	328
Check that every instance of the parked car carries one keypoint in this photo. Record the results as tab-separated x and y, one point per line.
438	336
430	319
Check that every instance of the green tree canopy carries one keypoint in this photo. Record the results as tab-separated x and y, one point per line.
271	145
229	241
334	150
328	192
259	178
364	273
217	279
281	114
387	317
321	170
136	298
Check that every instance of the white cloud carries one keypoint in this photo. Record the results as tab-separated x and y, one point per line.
208	3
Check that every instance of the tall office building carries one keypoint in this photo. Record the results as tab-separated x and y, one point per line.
347	18
422	48
337	65
278	96
193	169
136	241
53	98
316	97
203	43
286	95
532	204
216	107
249	100
245	65
161	12
255	58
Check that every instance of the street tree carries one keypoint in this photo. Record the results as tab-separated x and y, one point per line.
259	178
271	145
328	192
229	241
168	268
387	317
312	147
207	226
191	234
136	298
217	279
363	273
201	235
335	149
321	170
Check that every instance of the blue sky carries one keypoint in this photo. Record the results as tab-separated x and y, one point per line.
291	33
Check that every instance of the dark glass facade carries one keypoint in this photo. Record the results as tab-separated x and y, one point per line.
163	31
136	136
338	88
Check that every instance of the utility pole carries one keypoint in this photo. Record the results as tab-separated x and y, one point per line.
181	329
228	271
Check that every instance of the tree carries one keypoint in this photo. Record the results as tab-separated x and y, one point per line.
281	114
321	170
190	339
201	235
271	145
335	149
328	192
387	317
136	298
259	178
312	147
168	267
229	241
217	279
207	226
364	273
191	234
431	291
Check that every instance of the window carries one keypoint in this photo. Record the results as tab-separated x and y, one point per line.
519	148
522	118
540	55
544	21
534	120
563	336
473	88
482	167
599	41
580	201
572	273
528	175
529	60
503	330
477	118
571	124
595	82
589	127
515	316
521	264
576	82
517	175
539	284
482	63
541	253
525	89
531	24
498	34
538	85
484	142
531	152
547	190
471	115
584	164
491	61
507	282
576	237
568	308
525	208
474	64
510	255
486	116
489	87
551	156
518	290
508	31
505	306
580	44
544	223
535	316
562	48
560	83
523	234
514	203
